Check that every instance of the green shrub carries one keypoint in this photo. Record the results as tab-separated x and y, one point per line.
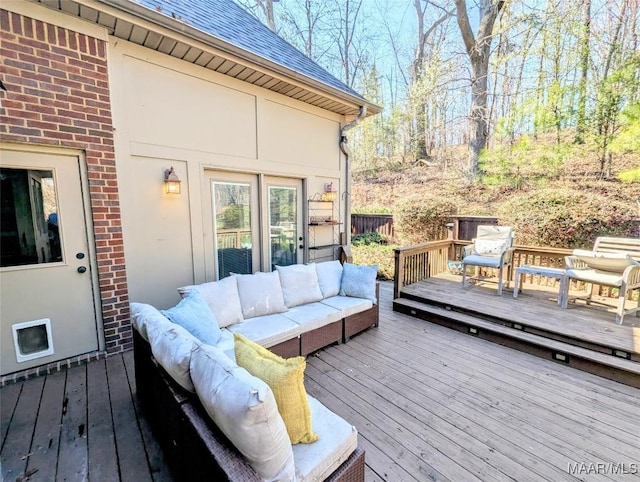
367	238
566	218
380	254
630	175
422	218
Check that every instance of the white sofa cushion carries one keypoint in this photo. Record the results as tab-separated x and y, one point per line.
267	330
171	346
337	441
299	284
329	277
221	297
244	409
313	315
348	305
260	294
141	314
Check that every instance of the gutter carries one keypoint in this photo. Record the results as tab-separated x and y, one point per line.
344	147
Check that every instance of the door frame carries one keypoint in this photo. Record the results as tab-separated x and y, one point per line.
261	181
83	176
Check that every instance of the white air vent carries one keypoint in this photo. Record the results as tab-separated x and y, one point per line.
32	339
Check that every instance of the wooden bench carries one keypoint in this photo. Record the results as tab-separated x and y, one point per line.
625	278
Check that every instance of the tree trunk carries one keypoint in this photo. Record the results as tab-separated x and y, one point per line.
584	65
479	50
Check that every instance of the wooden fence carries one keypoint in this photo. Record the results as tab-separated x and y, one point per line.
373	223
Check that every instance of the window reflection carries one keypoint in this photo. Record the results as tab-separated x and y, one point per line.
29	231
282	225
232	208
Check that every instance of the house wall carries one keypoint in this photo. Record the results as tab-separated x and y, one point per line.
168	112
55	70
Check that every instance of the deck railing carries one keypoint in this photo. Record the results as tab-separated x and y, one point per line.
422	261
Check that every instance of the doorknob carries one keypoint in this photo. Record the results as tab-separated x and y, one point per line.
82	269
79	255
301	246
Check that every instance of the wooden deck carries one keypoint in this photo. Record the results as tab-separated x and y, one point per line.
429	404
535	307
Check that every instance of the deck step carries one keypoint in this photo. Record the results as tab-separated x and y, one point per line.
608	366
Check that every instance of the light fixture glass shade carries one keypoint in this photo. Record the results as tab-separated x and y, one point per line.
171	181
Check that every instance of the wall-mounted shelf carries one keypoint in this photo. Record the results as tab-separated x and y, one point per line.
323	230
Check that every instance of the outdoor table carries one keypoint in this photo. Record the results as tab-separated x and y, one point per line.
556	273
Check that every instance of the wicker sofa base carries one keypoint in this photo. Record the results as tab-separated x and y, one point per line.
287	349
354	324
320	337
193	446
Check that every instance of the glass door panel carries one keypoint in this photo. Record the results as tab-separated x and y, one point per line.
283	225
284	215
234	243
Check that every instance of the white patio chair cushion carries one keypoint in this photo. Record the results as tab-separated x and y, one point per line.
260	294
492	261
348	305
299	284
329	277
607	278
267	330
337	441
313	315
226	289
244	409
612	262
485	247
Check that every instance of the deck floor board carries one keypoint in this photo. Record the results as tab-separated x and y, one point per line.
429	403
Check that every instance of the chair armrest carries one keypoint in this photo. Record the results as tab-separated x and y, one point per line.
507	256
467	250
572	262
631	277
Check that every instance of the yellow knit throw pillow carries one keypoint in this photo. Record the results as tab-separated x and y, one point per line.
285	377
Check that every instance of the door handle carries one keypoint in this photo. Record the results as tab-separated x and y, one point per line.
82	269
301	246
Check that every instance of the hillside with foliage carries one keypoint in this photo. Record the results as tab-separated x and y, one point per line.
529	111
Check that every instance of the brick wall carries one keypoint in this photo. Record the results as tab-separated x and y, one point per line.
58	95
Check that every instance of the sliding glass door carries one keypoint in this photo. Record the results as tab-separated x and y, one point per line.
256	223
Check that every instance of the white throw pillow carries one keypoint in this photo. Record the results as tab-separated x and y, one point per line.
491	246
260	294
245	410
171	346
329	277
299	284
221	297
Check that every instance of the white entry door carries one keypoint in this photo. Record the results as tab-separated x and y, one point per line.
47	303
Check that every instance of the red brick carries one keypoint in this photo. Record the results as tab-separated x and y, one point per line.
24	131
4	20
62	37
16	23
28	27
36	44
20	65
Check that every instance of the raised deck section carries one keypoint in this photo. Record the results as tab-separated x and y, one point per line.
584	337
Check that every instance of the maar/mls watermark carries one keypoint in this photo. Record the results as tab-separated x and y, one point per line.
604	468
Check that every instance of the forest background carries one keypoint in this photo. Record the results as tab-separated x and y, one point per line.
528	110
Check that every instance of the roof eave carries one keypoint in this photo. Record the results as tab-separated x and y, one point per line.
182	28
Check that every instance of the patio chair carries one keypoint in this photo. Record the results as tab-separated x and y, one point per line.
609	267
492	248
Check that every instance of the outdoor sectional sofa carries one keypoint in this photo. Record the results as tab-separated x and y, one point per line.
292	311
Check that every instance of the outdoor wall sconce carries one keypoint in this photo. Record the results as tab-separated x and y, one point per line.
171	181
329	194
